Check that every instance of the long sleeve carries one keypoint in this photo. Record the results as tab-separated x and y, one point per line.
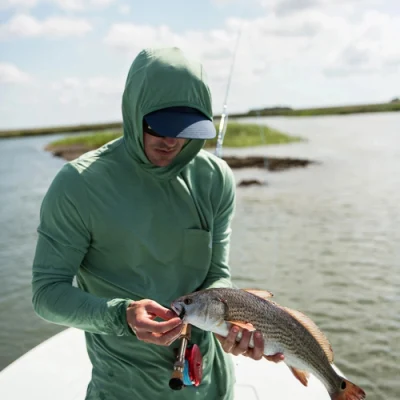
64	237
219	273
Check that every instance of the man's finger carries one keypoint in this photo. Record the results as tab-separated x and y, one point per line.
248	353
230	340
148	325
168	338
161	339
258	349
219	337
243	345
275	357
160	311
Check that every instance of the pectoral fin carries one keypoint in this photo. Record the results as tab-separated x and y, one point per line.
243	325
302	376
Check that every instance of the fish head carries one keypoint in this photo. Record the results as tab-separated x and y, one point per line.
203	309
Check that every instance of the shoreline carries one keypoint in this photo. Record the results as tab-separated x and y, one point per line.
274	164
393	106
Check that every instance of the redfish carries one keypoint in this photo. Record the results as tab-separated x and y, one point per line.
305	347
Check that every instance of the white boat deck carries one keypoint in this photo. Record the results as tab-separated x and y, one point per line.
60	369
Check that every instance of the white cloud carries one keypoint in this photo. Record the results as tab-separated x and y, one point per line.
126	36
66	84
11	74
101	3
25	26
70	5
282	8
124	9
292	53
314	45
105	86
87	91
287	7
370	47
6	4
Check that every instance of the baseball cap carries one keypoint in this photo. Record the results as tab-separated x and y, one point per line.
180	122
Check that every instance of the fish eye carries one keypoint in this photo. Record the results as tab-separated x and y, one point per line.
188	301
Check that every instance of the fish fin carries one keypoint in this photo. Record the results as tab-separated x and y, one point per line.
348	391
314	330
264	294
301	375
244	325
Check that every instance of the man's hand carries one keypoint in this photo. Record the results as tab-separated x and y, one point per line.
230	345
140	316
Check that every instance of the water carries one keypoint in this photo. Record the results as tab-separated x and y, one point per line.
323	239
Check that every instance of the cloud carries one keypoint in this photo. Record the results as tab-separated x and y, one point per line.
83	92
283	8
295	27
23	25
312	46
325	52
124	9
17	4
369	49
214	48
70	5
264	40
127	36
286	7
11	74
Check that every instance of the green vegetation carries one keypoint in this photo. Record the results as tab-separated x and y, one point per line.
392	106
91	141
60	129
245	135
309	112
237	135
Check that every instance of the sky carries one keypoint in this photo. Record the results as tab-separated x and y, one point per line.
65	62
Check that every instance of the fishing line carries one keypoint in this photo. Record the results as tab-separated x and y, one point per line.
224	116
223	126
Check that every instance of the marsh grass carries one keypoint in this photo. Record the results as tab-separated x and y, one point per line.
278	111
237	135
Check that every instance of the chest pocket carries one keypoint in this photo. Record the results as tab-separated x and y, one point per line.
197	249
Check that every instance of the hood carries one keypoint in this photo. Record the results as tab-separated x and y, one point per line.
159	78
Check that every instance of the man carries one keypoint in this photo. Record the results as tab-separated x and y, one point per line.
140	222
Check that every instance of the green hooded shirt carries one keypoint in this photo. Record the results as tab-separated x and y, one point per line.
128	230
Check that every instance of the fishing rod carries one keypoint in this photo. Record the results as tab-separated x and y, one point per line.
188	366
224	116
176	381
224	122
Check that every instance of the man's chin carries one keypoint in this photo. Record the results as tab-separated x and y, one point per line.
163	160
162	163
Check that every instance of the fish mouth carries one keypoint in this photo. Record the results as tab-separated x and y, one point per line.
179	310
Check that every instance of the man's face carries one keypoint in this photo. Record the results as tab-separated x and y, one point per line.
161	150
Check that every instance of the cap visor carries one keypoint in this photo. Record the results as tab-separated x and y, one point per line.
185	125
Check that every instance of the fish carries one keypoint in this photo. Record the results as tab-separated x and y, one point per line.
305	347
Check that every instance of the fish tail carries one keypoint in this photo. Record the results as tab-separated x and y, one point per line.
348	391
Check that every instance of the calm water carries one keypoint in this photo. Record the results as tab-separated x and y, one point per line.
324	239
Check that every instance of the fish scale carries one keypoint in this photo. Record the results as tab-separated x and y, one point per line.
272	321
305	347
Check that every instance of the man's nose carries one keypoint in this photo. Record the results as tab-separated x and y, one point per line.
171	142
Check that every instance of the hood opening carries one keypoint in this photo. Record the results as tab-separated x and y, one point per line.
159	78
